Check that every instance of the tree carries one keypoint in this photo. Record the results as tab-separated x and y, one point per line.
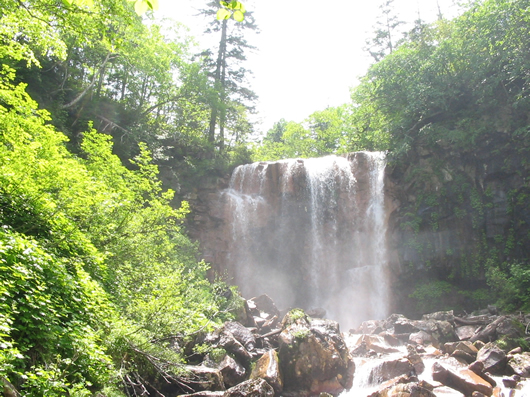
384	41
228	77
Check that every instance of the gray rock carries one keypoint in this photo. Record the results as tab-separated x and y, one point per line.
251	388
268	368
493	357
313	355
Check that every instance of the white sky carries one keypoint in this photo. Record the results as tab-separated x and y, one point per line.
310	52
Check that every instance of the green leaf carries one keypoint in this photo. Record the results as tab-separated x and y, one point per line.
84	3
153	4
67	2
239	16
224	3
141	7
223	13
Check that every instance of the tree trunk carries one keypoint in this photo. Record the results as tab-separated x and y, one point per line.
217	82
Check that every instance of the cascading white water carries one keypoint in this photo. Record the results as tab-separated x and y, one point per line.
311	233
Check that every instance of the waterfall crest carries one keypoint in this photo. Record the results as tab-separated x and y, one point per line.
311	233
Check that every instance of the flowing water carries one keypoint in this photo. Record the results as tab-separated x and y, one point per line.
311	233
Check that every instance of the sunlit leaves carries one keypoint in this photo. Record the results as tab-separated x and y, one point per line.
79	3
234	9
142	6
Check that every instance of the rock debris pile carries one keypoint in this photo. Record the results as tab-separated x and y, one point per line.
267	353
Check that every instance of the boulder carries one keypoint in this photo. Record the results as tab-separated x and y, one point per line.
242	312
264	307
251	388
390	324
445	332
478	368
465	332
416	360
465	381
440	316
510	327
233	372
520	364
242	334
206	393
493	357
510	383
376	343
369	327
390	369
224	339
313	355
268	368
200	378
421	338
467	347
413	389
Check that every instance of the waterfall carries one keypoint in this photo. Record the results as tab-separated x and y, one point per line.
311	233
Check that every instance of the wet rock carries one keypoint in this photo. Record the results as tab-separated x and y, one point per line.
391	369
233	372
376	343
206	393
447	391
440	316
510	327
421	338
369	327
446	332
415	359
269	324
510	383
222	338
398	324
467	347
313	355
465	332
390	340
520	364
418	389
242	334
201	378
517	350
265	306
464	381
242	312
251	388
493	357
465	351
478	368
268	368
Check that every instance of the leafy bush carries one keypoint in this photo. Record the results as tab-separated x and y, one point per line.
94	267
511	283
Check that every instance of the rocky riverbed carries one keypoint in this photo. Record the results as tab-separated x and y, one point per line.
269	353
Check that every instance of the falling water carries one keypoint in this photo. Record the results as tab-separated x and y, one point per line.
311	233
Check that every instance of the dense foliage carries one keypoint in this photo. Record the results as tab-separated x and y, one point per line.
98	282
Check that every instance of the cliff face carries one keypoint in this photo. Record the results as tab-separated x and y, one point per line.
449	217
462	212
